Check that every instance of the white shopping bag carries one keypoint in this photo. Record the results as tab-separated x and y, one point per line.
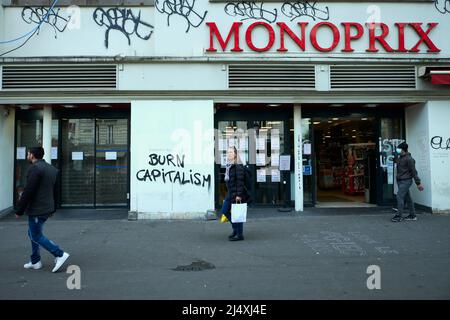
238	212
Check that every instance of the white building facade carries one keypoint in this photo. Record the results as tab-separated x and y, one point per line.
137	104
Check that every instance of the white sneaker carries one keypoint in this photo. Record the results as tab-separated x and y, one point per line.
59	261
35	266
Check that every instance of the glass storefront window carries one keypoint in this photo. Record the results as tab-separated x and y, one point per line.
307	160
391	131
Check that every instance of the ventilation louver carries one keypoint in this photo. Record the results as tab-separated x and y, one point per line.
271	76
356	77
59	76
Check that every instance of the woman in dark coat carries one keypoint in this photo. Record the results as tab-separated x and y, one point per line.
235	181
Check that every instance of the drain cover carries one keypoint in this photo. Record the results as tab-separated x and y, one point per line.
196	266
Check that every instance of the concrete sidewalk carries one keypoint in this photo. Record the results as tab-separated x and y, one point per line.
316	255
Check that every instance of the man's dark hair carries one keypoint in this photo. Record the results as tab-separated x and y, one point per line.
403	146
37	152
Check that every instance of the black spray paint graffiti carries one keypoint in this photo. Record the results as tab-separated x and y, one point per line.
443	6
172	176
438	143
38	15
124	21
295	10
250	10
183	8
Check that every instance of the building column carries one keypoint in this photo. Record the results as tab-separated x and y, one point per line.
47	134
298	158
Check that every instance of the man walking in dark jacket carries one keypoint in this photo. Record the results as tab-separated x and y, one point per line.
406	173
38	202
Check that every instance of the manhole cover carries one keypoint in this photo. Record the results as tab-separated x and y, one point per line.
196	266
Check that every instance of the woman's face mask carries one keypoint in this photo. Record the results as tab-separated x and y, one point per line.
399	151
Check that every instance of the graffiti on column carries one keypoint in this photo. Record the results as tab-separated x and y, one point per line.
439	143
178	175
41	15
298	9
182	8
443	6
122	20
250	10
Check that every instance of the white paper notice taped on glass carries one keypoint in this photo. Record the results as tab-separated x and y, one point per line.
77	155
260	159
275	159
307	148
275	142
285	163
275	175
243	157
222	144
54	153
110	155
261	144
261	175
21	153
243	144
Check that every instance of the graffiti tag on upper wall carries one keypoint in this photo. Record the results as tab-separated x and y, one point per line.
180	176
182	8
123	20
293	10
40	15
443	6
250	10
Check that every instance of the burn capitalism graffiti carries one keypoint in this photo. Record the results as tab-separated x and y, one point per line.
162	173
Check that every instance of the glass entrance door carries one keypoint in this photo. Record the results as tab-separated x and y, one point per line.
94	162
111	162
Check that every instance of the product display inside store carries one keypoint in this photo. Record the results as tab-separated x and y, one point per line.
345	159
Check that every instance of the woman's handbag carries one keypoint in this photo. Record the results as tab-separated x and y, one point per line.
238	212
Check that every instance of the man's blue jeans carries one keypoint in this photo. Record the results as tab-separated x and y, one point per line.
238	228
35	227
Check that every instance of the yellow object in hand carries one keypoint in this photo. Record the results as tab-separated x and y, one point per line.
223	218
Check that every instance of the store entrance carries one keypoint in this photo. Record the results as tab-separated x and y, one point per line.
346	156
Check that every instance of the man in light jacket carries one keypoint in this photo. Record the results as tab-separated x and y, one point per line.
406	173
38	202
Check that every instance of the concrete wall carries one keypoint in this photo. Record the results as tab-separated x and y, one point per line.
7	157
428	136
181	31
418	137
182	187
439	124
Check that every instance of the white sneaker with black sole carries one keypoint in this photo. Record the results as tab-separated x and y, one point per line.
59	261
34	266
411	218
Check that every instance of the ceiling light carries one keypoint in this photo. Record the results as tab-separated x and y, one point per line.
68	106
274	105
334	119
104	105
370	105
316	122
233	105
24	106
336	105
363	119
